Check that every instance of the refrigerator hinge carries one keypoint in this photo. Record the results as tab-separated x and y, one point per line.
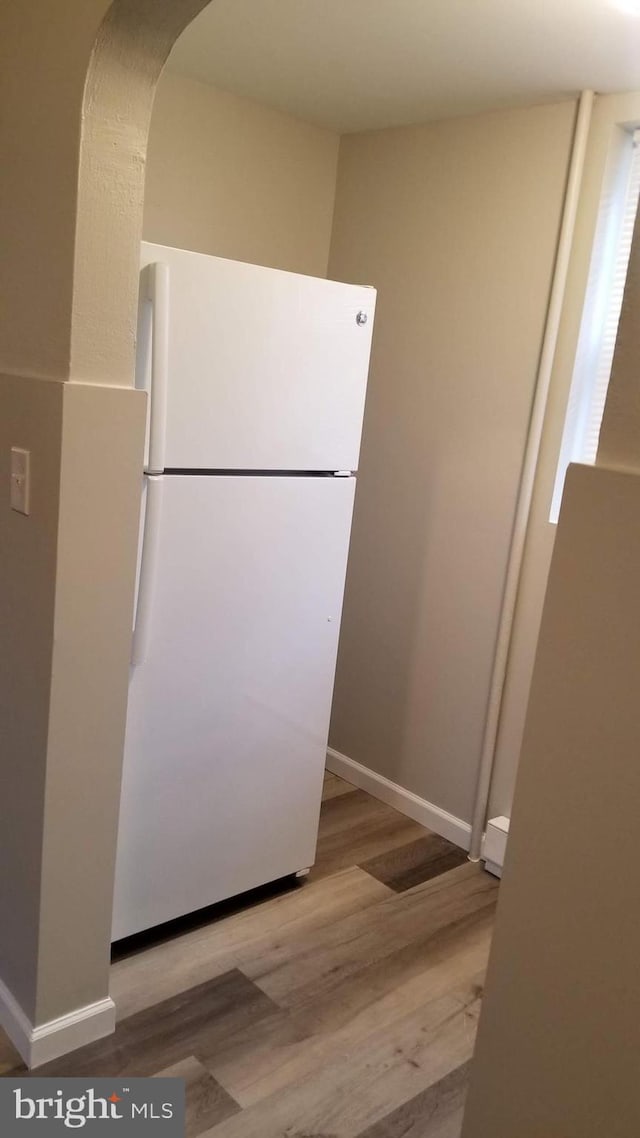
342	473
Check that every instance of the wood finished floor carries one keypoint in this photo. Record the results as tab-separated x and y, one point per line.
342	1007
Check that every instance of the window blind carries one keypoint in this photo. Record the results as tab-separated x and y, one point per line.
588	444
599	329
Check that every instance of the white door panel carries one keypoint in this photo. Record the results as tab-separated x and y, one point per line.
267	369
228	716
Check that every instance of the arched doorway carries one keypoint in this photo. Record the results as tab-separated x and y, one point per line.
79	104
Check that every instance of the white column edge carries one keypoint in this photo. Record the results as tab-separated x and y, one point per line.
494	845
47	1041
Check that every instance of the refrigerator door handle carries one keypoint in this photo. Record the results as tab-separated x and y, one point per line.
158	294
148	570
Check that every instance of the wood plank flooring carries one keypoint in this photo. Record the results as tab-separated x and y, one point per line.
341	1007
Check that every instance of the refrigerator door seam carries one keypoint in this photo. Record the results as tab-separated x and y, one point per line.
250	473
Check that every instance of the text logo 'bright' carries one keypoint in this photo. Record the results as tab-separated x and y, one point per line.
136	1107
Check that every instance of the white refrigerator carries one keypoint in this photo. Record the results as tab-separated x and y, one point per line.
256	381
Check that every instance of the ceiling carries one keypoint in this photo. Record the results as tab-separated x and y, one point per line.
361	64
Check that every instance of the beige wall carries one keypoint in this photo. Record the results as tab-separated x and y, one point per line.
30	417
39	140
100	485
611	115
228	176
559	1032
67	595
122	72
456	224
39	178
70	223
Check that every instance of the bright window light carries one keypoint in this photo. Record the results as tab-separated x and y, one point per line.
629	7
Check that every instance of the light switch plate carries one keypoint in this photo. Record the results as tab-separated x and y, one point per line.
20	479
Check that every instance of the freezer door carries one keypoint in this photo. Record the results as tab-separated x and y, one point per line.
267	370
229	712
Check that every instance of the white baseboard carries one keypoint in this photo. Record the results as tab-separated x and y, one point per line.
405	801
38	1045
494	845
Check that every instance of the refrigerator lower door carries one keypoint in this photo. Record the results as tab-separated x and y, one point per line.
229	712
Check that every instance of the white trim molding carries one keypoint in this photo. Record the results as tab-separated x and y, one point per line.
38	1045
494	845
405	801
